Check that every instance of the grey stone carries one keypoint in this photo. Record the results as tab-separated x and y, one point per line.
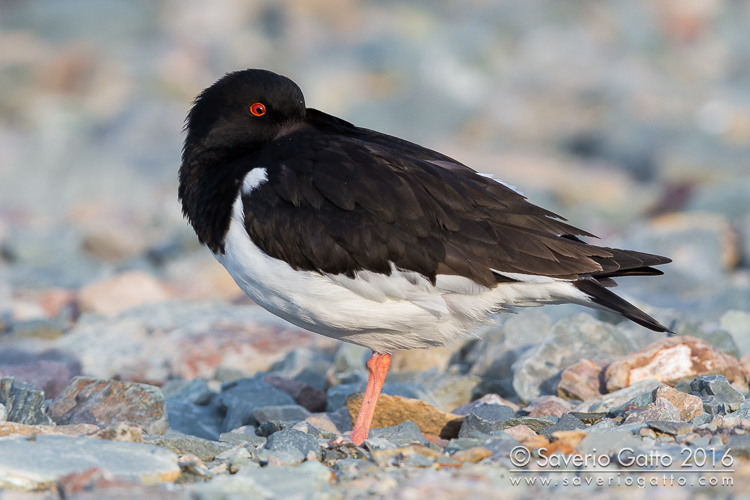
305	395
241	438
336	395
306	365
286	413
502	346
534	423
458	444
723	341
638	395
719	397
485	419
24	403
714	406
500	445
195	420
608	442
194	391
272	426
240	398
401	435
293	443
582	336
41	462
308	480
661	409
351	357
184	444
106	403
670	427
739	445
604	425
737	323
703	418
567	422
379	443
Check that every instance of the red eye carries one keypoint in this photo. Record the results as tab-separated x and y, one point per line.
258	109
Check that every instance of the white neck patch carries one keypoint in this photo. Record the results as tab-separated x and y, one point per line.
253	179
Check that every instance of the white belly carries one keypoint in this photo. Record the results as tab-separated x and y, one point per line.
383	313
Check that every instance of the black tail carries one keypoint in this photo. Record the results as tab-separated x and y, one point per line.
603	297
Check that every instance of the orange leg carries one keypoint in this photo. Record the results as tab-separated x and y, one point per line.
378	369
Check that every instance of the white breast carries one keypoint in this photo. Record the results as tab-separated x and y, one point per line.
383	313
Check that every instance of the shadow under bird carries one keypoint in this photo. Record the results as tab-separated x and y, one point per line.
371	239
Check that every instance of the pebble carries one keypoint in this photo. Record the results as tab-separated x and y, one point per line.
39	463
393	410
13	429
239	399
195	420
660	409
182	444
304	394
582	336
566	423
670	427
582	380
637	395
108	402
308	480
688	405
547	406
401	435
23	402
487	399
194	391
520	432
485	419
717	387
672	359
287	413
294	443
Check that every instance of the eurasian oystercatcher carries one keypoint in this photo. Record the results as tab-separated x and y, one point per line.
371	239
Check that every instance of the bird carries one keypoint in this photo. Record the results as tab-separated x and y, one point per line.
371	239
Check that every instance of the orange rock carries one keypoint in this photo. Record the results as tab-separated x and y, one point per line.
560	447
77	430
690	406
520	432
571	438
582	380
472	455
394	410
535	442
122	292
673	359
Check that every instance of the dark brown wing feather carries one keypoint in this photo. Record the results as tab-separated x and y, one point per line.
340	199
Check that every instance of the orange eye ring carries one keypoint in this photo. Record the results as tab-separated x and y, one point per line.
258	109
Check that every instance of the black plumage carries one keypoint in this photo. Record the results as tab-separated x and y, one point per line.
340	199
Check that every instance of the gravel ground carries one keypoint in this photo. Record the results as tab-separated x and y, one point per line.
131	366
